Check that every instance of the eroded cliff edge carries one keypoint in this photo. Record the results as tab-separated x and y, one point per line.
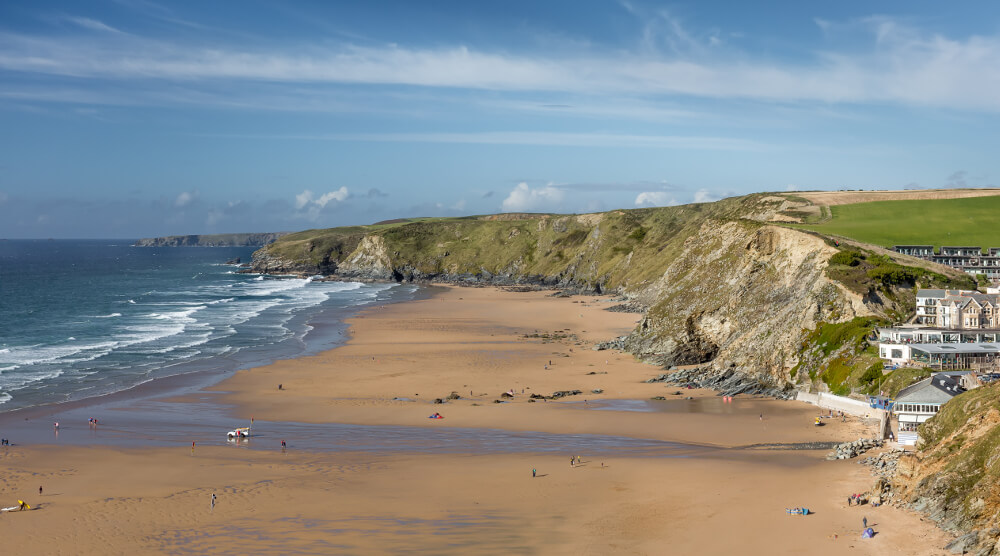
719	283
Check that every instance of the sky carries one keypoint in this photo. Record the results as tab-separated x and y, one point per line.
138	118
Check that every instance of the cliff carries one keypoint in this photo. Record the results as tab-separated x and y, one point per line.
954	477
211	240
721	285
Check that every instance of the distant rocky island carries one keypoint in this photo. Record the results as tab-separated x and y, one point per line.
211	240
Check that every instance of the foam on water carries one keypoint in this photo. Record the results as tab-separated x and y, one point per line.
171	310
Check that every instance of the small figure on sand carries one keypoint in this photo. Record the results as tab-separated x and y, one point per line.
534	473
39	491
864	522
282	444
281	387
213	500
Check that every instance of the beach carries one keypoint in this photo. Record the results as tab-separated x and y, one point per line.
365	471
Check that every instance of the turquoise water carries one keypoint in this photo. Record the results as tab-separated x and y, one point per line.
81	318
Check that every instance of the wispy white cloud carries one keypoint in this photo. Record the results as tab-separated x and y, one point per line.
654	199
900	65
705	196
540	138
185	198
93	24
309	198
524	198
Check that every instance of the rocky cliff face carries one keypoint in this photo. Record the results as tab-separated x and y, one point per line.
722	287
211	240
954	477
740	296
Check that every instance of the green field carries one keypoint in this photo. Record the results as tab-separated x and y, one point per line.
954	222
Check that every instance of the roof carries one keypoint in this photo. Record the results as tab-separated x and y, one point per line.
936	389
936	294
905	246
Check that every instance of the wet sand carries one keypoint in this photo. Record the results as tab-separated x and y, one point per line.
676	476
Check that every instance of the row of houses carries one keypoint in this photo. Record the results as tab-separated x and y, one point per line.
958	309
967	259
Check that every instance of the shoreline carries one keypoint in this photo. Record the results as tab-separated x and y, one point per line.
376	495
326	325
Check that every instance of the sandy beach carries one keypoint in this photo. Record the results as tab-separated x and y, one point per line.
677	476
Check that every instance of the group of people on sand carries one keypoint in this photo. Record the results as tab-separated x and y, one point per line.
857	500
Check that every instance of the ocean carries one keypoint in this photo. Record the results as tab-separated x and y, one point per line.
83	318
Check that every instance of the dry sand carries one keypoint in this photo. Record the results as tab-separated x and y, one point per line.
717	501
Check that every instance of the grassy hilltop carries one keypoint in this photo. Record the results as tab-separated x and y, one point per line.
954	222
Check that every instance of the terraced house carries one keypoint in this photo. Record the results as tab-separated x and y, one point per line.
958	309
970	260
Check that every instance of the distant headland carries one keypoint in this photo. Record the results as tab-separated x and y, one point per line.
211	240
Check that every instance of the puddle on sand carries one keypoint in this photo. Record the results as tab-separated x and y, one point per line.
159	423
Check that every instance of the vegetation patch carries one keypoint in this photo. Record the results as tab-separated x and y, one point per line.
916	222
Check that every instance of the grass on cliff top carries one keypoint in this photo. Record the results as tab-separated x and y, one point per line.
612	249
954	222
958	412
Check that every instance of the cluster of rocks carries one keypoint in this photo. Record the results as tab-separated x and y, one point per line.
728	382
556	395
617	343
849	450
452	396
630	307
884	464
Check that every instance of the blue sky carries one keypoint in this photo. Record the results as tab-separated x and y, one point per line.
128	118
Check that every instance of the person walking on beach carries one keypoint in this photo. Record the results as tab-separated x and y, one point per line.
534	472
213	500
39	491
864	521
282	444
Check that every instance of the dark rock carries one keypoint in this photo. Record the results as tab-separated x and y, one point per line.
963	544
454	396
233	261
438	400
564	393
661	398
597	391
506	395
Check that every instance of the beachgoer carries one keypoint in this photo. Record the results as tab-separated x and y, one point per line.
213	499
572	460
761	416
848	501
39	491
282	443
864	521
280	386
534	472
